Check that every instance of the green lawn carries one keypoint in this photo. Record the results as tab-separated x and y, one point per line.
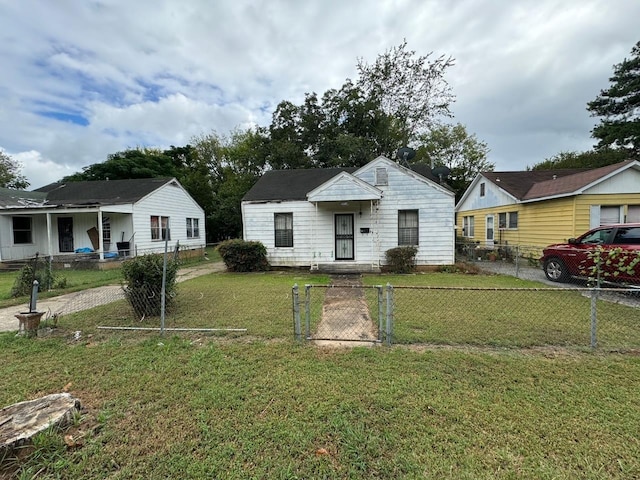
258	405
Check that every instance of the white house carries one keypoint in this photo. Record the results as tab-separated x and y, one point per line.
109	218
347	218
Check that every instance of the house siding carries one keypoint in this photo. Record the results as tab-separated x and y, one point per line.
171	201
314	230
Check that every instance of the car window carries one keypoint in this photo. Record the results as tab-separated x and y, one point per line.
627	236
597	237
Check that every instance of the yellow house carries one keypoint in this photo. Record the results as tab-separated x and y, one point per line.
538	208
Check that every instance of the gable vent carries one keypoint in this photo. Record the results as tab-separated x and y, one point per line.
382	177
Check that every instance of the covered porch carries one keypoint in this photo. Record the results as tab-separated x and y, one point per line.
345	228
65	233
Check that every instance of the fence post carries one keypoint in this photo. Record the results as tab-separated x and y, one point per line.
389	332
307	309
380	317
594	317
296	312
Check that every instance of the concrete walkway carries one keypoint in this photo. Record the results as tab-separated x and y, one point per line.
91	297
345	315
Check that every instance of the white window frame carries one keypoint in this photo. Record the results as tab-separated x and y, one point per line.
161	231
193	227
408	234
468	226
29	231
283	237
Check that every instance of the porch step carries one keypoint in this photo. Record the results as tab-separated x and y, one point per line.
339	268
13	265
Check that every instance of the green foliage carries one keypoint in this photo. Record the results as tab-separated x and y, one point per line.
589	159
143	283
453	147
45	276
608	264
618	107
222	170
401	259
132	163
243	256
394	100
10	176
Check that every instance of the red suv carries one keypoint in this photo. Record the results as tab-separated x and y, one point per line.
562	261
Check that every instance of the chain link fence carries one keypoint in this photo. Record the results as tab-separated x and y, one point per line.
497	317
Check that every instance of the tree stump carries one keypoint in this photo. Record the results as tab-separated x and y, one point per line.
21	421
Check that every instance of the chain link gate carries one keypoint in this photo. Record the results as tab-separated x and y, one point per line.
344	313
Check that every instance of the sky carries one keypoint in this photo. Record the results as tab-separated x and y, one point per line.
81	79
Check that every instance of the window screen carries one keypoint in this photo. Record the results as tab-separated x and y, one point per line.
408	227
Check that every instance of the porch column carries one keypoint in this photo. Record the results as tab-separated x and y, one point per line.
314	259
100	241
49	239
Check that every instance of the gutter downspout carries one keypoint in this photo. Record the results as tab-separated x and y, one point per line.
49	243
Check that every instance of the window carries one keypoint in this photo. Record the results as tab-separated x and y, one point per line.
193	228
283	226
502	220
633	214
508	220
407	227
382	178
468	227
482	189
160	228
22	230
627	236
609	215
106	231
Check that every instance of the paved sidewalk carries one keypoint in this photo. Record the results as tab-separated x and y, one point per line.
92	297
345	315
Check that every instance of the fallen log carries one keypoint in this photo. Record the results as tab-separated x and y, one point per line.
21	421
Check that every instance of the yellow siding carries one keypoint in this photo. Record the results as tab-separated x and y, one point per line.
584	202
546	222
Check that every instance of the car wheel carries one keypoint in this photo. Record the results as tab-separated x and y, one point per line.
555	270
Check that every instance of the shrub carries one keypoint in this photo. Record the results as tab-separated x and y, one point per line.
243	256
143	283
401	259
44	275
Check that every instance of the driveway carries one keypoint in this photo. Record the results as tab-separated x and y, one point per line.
92	297
628	297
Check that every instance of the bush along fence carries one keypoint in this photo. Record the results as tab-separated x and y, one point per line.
607	318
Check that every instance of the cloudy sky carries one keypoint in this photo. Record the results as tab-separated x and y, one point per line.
84	78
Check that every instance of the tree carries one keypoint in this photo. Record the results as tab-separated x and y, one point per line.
132	163
10	176
619	105
410	89
451	146
392	102
234	163
588	159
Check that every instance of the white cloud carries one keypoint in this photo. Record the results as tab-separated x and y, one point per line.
158	72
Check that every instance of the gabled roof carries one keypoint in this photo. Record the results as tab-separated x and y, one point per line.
335	188
10	198
540	184
288	185
101	192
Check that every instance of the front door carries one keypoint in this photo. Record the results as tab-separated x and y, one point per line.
489	236
344	236
65	234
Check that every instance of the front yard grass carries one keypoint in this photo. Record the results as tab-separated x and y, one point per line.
258	405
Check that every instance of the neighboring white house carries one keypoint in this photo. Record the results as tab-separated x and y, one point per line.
347	218
110	218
